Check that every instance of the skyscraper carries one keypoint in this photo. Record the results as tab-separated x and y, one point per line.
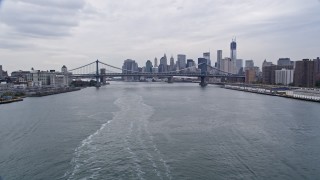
233	54
219	58
129	67
149	66
164	63
64	69
181	61
0	71
202	65
206	55
226	65
190	63
249	64
239	66
171	64
155	62
266	63
284	62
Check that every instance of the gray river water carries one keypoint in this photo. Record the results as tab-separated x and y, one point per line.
159	131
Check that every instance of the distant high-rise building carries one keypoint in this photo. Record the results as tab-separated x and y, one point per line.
233	55
171	64
269	73
219	58
226	65
148	66
181	61
250	76
284	76
64	69
162	68
129	67
164	62
317	71
239	66
206	55
304	73
266	63
249	64
155	62
202	65
284	62
1	72
190	63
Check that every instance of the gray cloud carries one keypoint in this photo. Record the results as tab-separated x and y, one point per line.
42	18
142	29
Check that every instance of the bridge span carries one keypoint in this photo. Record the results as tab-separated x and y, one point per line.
91	71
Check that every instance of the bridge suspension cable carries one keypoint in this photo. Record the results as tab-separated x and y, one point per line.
82	66
220	70
117	67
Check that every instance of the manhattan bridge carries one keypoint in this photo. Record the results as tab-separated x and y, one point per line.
101	71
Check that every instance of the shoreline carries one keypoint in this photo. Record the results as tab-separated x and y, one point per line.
51	92
40	93
11	101
237	88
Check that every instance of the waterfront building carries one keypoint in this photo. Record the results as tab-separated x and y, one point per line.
181	61
149	66
19	77
1	77
284	76
3	74
269	73
317	71
250	76
304	73
37	78
206	55
219	58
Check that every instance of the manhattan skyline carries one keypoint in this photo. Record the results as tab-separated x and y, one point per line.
48	35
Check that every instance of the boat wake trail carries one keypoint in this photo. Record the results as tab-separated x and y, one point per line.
123	148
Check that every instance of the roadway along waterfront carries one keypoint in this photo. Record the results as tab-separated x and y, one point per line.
159	131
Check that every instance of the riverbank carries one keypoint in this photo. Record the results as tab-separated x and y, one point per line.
48	92
11	101
294	93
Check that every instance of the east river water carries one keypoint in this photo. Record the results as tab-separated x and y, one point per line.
159	131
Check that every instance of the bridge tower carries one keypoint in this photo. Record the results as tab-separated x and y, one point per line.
97	73
203	81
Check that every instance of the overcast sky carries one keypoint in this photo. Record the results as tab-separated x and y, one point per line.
51	33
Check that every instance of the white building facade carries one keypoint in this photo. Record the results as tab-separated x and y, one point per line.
284	76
